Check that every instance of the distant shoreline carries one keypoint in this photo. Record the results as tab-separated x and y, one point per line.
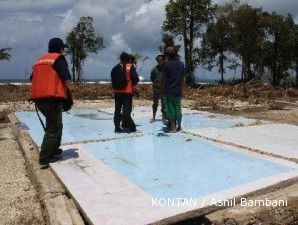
84	82
27	82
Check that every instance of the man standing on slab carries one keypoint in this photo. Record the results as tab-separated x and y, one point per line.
173	79
124	78
50	89
156	79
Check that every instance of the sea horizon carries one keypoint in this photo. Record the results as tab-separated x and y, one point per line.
27	81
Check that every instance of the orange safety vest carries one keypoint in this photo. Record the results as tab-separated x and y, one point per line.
46	82
129	88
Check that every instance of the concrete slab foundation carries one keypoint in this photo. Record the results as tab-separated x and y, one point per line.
156	177
278	139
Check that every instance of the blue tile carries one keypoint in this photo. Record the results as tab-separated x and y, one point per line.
176	165
185	169
79	125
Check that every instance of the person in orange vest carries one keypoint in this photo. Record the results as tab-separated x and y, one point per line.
124	78
50	89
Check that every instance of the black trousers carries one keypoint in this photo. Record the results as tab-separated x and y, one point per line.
156	97
52	110
123	109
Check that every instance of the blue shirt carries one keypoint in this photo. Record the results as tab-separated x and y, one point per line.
61	66
174	72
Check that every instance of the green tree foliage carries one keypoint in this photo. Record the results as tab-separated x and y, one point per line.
216	44
263	42
186	18
4	54
82	40
247	33
280	51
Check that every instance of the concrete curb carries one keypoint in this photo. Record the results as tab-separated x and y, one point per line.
58	208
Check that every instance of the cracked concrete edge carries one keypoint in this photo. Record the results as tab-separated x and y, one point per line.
196	213
102	140
58	207
242	215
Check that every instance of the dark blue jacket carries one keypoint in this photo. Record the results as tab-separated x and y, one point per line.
174	72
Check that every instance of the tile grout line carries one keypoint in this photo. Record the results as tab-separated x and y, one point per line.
258	151
102	140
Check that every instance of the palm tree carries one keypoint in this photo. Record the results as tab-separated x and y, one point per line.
4	54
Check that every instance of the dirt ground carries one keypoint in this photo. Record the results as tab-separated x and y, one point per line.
250	100
289	113
18	199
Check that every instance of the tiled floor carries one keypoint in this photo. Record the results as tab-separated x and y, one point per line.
89	124
115	180
278	139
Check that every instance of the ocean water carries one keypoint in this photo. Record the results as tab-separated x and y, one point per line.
26	81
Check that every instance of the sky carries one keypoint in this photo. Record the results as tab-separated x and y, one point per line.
126	25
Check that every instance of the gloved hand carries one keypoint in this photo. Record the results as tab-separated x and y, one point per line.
68	102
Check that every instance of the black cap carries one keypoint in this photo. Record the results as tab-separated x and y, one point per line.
55	45
125	57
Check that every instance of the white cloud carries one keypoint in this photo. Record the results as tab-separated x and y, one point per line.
23	30
68	22
30	5
142	28
280	6
108	15
118	44
126	25
32	18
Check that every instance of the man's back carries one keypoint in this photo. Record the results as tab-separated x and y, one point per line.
174	72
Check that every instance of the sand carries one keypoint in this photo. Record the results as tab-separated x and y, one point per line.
18	199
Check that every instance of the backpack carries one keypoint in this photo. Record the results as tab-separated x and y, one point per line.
118	75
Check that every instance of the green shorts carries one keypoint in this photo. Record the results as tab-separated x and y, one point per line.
173	108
